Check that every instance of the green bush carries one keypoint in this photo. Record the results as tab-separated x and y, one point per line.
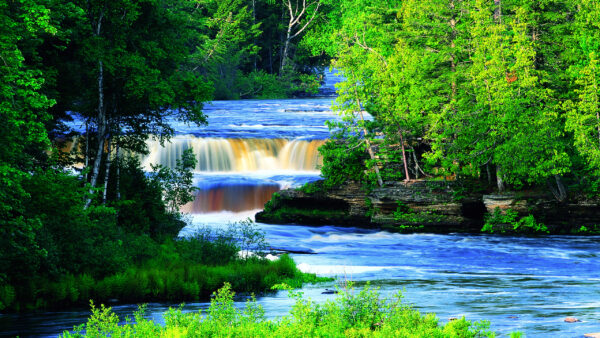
262	85
587	230
173	282
509	221
351	314
183	269
343	160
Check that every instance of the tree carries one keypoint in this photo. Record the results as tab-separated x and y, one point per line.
583	110
133	60
22	135
301	15
177	183
227	47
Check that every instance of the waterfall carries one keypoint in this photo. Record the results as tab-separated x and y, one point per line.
237	155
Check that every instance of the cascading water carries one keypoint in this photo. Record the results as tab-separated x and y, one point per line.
237	155
237	174
249	150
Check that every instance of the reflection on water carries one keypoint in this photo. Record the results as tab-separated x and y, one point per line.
231	198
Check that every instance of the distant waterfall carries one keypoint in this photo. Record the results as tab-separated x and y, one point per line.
237	155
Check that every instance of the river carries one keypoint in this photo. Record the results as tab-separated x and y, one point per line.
252	148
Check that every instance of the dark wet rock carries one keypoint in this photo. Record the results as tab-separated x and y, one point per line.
432	206
329	292
571	320
559	217
294	251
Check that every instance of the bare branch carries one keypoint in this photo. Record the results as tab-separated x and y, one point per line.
309	21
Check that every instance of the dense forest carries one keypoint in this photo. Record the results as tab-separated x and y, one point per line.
502	92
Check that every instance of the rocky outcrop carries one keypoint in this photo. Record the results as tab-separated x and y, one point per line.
423	206
565	217
345	206
426	205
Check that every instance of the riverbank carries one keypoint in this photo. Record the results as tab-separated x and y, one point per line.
432	206
180	270
175	282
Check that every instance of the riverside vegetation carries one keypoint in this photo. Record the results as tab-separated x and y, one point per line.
351	314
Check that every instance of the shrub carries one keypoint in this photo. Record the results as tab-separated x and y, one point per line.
351	314
509	221
343	161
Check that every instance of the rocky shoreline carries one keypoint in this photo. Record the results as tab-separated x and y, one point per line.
424	206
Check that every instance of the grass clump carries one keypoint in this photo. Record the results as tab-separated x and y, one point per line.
351	314
175	282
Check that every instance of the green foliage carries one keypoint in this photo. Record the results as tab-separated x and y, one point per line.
142	208
248	238
587	230
23	114
312	188
177	183
405	214
507	89
262	85
582	118
174	270
509	221
285	214
172	280
351	314
343	160
371	210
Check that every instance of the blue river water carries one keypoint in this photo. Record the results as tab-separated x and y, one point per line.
252	148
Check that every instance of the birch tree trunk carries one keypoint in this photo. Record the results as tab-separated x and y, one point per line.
498	11
107	172
87	148
297	12
118	173
101	121
404	158
499	179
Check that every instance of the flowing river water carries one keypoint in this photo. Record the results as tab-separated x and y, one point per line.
252	148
